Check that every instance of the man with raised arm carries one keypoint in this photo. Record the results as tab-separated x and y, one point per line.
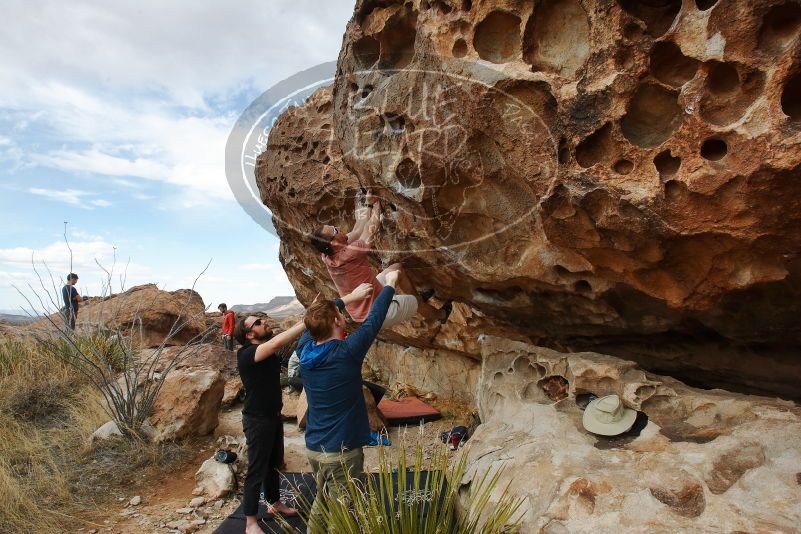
336	424
259	369
345	257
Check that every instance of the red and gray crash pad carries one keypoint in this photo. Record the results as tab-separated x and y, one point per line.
407	411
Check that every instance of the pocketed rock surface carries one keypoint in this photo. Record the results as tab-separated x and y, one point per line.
707	461
610	176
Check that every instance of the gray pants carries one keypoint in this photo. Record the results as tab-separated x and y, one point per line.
228	342
69	317
331	471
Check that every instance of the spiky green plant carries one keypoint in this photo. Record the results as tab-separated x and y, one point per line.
418	504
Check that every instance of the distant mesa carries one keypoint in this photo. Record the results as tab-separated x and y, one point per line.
277	308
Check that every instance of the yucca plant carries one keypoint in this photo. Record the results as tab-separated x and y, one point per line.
418	499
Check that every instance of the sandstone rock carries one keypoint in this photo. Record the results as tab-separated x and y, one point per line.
376	420
135	501
612	184
147	313
215	479
199	356
708	460
302	407
730	466
188	404
183	525
444	373
105	431
197	502
687	501
290	404
232	391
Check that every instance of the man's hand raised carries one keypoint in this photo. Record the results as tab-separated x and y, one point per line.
362	292
391	278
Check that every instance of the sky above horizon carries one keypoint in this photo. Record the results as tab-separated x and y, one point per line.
114	117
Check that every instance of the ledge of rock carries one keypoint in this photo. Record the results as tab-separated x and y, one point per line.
706	461
626	184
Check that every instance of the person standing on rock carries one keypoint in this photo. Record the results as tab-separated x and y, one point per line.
229	318
345	257
71	300
260	368
337	426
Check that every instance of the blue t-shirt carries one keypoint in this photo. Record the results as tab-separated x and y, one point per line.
68	293
332	378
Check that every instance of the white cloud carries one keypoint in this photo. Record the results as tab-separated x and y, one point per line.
188	50
127	183
130	87
52	261
73	197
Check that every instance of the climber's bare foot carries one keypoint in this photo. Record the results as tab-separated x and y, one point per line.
280	508
252	525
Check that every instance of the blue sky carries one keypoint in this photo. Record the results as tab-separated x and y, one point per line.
114	117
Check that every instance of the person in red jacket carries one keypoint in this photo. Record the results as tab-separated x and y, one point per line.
229	318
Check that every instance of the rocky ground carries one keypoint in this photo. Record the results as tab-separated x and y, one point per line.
164	503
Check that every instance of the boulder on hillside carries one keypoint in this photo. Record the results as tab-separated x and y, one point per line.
188	404
145	312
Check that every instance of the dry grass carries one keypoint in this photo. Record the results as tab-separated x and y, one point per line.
48	471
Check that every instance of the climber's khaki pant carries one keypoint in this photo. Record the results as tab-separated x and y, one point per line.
331	471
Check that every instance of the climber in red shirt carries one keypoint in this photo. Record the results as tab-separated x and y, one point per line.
345	256
229	318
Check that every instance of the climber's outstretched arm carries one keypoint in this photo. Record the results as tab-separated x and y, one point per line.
362	216
373	224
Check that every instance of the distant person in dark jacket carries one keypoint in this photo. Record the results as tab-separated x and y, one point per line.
336	424
229	318
71	300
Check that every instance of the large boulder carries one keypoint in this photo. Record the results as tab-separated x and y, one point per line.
445	373
150	315
611	175
707	461
203	356
188	404
215	479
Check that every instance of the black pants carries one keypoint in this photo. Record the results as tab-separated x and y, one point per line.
265	438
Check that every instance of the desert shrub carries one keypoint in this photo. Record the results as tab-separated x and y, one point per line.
33	385
381	507
48	469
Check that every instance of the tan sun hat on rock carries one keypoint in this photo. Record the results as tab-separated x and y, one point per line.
608	417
